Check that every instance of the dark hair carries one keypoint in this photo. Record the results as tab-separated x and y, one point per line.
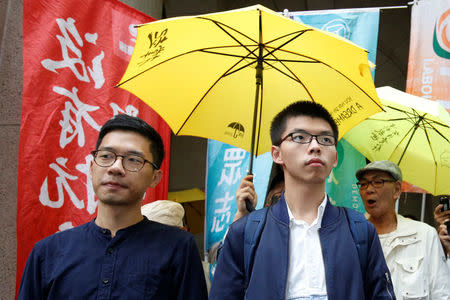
277	178
297	109
135	124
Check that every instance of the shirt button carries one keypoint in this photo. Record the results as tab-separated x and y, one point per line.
105	231
105	280
110	250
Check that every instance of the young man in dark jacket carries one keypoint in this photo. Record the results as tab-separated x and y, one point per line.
306	248
120	254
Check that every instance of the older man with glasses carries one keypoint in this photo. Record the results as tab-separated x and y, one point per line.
412	249
120	254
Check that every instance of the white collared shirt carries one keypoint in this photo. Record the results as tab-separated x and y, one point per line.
306	274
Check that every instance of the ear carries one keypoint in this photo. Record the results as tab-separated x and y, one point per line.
276	155
90	169
156	178
398	189
336	161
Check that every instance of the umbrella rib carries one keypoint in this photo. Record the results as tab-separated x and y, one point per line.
435	129
409	141
285	43
228	54
293	77
205	50
172	58
288	34
204	95
342	74
222	25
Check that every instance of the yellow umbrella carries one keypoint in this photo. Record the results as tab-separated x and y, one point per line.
225	75
412	132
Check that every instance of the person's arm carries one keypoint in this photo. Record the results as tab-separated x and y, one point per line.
190	280
31	283
245	191
378	284
229	278
438	272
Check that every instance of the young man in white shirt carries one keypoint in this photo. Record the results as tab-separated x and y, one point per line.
306	249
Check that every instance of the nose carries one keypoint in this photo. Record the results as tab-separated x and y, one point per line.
117	167
370	188
314	146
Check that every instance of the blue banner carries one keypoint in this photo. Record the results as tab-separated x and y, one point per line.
361	27
226	166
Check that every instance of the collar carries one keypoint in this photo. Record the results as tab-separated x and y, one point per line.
94	227
317	222
279	212
405	226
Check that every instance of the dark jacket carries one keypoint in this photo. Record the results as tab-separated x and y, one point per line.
270	269
147	260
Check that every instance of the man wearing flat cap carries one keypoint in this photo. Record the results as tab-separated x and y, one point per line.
412	249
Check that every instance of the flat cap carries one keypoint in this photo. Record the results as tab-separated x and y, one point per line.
381	165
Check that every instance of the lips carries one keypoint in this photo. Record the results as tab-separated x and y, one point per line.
371	203
315	162
113	184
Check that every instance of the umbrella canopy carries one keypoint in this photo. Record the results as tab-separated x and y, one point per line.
412	132
225	75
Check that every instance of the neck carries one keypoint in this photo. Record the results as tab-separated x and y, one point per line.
304	199
115	217
385	223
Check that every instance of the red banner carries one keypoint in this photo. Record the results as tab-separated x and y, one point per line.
74	52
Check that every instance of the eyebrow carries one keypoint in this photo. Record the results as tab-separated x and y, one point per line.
325	132
133	152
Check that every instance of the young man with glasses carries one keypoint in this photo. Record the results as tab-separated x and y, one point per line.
306	249
120	254
412	249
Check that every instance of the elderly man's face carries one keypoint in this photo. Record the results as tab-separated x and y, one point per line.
379	201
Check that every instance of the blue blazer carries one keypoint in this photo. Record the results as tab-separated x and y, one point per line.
344	279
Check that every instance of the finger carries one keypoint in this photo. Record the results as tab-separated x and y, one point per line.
438	209
246	183
244	195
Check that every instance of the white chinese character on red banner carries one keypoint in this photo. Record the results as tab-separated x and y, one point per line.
65	226
84	168
234	172
71	127
222	214
62	185
68	30
123	46
129	110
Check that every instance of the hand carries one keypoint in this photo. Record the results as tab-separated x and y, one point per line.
444	237
245	191
441	216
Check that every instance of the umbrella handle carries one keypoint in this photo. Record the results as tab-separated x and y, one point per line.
248	204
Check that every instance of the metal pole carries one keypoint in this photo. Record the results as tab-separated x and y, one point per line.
422	213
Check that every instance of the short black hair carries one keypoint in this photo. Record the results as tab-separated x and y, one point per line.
135	124
297	109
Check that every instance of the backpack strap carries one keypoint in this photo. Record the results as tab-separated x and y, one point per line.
252	234
360	233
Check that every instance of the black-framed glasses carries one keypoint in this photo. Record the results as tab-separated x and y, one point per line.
377	183
130	162
303	137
